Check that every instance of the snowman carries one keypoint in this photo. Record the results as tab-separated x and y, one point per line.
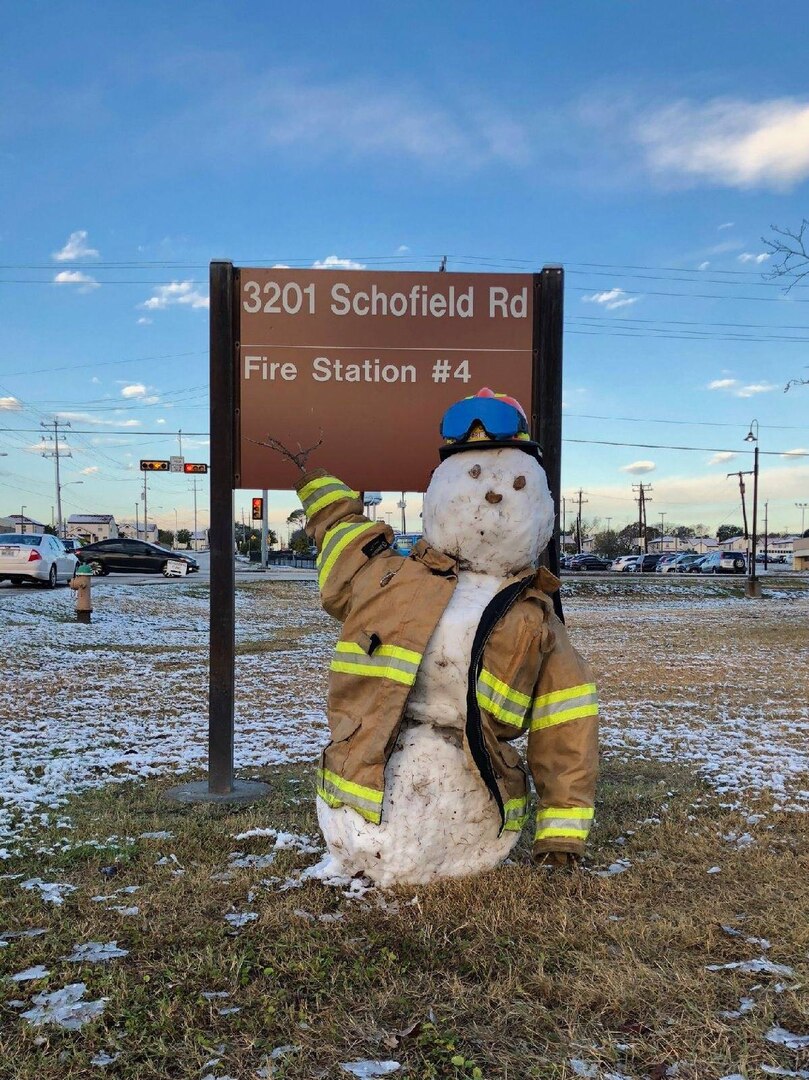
447	656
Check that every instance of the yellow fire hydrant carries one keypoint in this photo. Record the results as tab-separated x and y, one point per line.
81	584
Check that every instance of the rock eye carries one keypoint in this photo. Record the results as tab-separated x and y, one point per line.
474	472
519	483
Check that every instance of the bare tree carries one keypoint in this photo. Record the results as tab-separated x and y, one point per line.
789	248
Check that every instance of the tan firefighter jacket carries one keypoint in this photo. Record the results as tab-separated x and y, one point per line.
524	675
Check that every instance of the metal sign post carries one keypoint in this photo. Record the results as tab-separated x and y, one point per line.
308	356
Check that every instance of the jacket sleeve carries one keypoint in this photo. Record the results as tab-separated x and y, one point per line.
563	746
345	538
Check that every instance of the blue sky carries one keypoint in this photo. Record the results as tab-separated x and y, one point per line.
647	147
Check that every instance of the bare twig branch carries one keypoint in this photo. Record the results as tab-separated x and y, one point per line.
790	247
299	458
796	382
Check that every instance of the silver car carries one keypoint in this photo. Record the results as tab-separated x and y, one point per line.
33	557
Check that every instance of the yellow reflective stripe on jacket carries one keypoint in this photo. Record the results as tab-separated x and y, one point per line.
501	700
335	542
571	821
562	705
386	662
337	791
515	811
323	492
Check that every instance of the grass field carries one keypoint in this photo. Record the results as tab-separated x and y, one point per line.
699	859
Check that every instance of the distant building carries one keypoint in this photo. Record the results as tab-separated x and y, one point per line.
92	527
199	540
800	553
144	532
23	523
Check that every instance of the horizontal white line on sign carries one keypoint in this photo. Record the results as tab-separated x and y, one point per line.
384	348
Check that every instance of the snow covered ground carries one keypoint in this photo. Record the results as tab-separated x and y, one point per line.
688	673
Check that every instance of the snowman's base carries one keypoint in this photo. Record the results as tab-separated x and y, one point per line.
438	819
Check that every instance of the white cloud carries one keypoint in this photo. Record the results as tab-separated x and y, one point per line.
756	388
178	293
748	257
10	404
402	249
721	457
88	418
725	225
37	448
143	321
799	452
89	470
162	420
280	266
734	387
611	299
333	262
703	265
76	277
138	392
134	390
95	379
76	248
638	467
728	142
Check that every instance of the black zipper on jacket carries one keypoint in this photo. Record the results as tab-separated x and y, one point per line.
492	614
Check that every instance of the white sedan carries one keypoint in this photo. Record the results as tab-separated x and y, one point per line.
31	557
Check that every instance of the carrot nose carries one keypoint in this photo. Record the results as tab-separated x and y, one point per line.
493	497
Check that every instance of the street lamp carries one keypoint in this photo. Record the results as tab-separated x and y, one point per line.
802	507
22	520
753	584
61	523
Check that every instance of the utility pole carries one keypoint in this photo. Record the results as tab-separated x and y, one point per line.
578	520
264	528
22	520
741	476
55	423
180	440
137	523
402	507
642	500
609	519
564	521
195	510
662	527
766	535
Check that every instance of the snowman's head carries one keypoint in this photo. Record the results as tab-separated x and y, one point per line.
490	508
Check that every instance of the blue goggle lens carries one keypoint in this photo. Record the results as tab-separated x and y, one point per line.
499	419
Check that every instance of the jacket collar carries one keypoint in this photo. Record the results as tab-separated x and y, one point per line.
433	559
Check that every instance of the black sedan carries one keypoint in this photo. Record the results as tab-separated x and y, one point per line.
589	562
133	557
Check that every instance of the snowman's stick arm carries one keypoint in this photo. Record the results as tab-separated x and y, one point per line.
298	458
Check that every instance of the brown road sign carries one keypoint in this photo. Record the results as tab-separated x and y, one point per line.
370	360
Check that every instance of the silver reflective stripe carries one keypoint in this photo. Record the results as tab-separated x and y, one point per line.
349	797
567	704
379	664
581	825
327	489
487	696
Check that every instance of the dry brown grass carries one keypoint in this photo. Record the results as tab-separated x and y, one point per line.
508	976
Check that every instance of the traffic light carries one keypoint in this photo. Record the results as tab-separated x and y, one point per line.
195	467
154	466
258	509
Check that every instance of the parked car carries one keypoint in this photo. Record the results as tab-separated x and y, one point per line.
132	557
724	562
696	566
647	564
666	563
624	563
403	543
589	562
73	546
685	562
31	557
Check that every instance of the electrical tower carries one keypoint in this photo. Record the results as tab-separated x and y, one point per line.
642	500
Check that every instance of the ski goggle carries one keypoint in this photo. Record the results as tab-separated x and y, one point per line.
498	419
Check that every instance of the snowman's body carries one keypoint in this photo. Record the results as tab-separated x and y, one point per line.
438	818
